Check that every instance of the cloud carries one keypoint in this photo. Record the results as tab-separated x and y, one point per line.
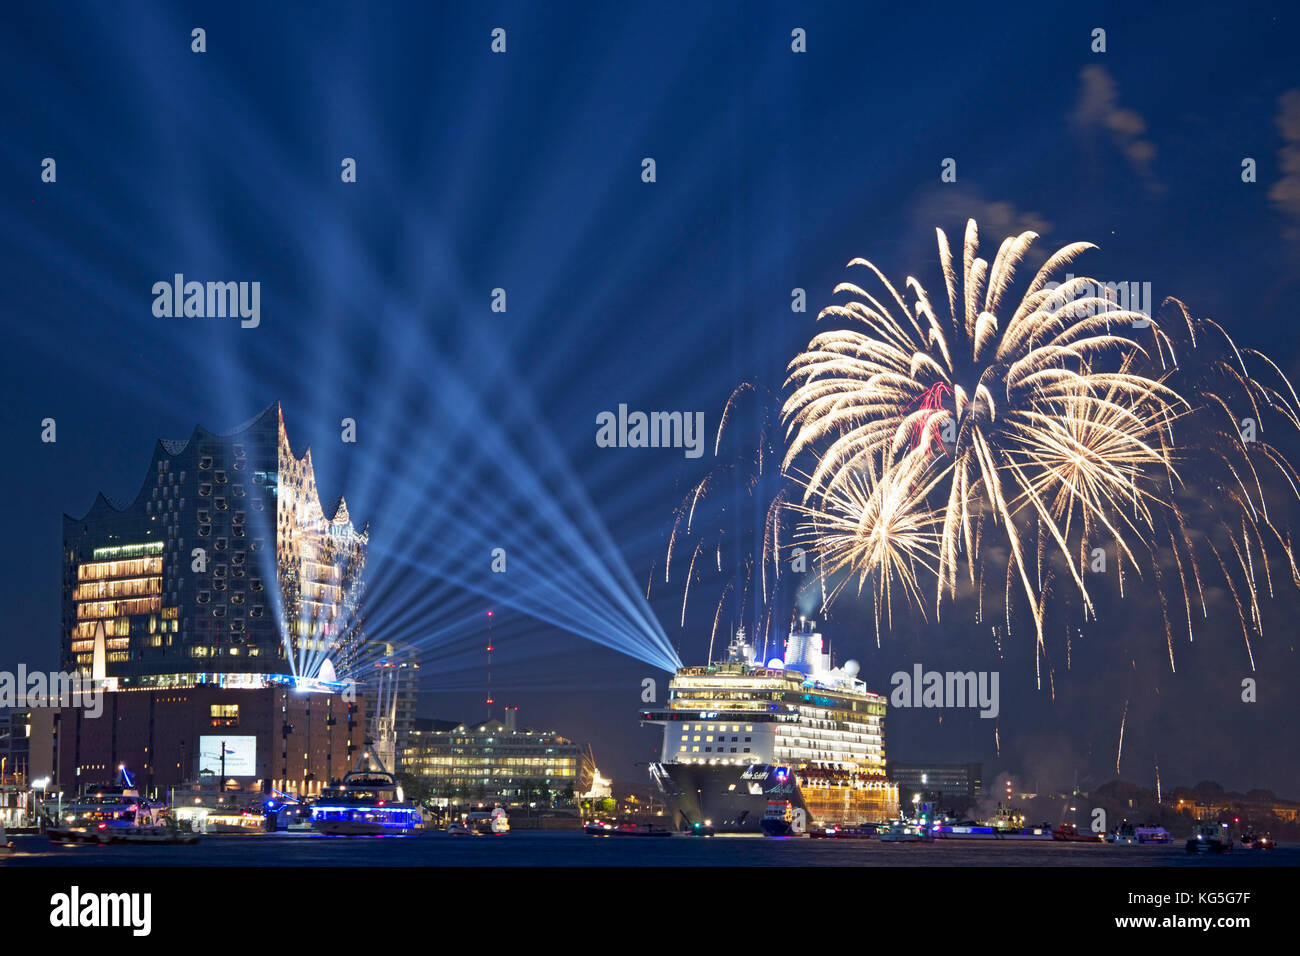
948	206
1098	111
1285	193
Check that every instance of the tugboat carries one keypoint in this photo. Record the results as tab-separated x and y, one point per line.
368	802
779	819
1249	840
1210	838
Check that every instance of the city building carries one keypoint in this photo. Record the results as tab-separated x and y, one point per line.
223	569
264	738
222	599
493	759
936	781
15	742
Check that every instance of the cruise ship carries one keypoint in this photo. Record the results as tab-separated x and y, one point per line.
795	741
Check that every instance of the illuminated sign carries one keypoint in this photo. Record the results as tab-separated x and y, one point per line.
240	755
128	551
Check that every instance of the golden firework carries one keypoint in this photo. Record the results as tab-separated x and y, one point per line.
1057	420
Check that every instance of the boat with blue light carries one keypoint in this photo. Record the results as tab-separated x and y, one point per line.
367	802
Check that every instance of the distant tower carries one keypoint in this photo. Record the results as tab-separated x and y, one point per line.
489	700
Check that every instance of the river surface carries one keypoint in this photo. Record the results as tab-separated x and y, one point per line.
548	848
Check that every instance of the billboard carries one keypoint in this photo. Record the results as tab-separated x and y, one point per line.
240	756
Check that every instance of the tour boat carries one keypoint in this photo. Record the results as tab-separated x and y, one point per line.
368	802
116	814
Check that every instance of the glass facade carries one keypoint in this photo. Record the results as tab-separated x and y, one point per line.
474	762
224	566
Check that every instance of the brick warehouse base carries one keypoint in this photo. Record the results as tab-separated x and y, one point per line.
302	740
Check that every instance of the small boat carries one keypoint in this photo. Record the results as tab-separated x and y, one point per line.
1210	838
1071	834
900	831
833	832
1249	841
6	845
458	828
1123	835
494	821
604	828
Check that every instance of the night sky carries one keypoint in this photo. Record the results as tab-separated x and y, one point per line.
522	171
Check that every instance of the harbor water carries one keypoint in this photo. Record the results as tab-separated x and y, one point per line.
548	848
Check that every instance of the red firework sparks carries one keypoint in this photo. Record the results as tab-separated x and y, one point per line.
931	401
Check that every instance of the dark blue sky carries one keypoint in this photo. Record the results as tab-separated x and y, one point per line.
522	171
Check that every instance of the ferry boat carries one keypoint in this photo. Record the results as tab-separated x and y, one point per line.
742	738
1153	834
843	833
904	831
604	828
979	831
368	802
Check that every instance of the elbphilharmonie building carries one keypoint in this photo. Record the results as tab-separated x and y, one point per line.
224	570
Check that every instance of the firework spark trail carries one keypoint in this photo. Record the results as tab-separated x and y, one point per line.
744	488
1120	751
1044	414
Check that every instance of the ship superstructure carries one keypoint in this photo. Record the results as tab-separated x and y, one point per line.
740	734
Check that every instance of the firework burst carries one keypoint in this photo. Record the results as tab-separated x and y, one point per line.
1057	423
